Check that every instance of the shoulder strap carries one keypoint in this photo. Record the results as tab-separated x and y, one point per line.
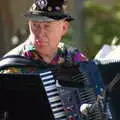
20	61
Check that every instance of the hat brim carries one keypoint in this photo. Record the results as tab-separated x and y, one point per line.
47	16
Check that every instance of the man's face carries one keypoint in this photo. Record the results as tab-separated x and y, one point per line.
47	35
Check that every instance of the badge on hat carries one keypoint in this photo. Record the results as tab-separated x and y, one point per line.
41	3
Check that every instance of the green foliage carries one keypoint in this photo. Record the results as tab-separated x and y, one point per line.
102	24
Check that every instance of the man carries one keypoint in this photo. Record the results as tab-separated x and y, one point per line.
48	23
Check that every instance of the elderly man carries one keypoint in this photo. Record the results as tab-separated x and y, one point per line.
48	23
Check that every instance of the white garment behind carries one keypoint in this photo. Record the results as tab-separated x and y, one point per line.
108	54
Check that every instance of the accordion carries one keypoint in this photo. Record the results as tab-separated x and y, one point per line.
110	73
55	93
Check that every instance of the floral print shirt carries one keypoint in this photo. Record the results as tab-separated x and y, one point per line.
64	54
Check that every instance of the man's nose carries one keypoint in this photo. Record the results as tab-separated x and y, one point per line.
41	29
41	32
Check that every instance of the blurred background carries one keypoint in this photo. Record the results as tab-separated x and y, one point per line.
97	23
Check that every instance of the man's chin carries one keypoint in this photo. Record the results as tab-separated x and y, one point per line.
43	51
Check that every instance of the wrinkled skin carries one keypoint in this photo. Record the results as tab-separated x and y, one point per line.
45	36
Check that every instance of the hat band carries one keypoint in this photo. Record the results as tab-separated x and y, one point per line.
44	13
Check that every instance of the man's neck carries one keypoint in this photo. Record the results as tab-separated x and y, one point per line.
48	58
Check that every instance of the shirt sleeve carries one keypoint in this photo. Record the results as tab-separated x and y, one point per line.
79	57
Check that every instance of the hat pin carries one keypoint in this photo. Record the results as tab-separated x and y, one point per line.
42	3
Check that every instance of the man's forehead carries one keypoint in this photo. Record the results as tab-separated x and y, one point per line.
46	22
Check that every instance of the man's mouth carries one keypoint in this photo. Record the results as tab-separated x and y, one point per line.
41	42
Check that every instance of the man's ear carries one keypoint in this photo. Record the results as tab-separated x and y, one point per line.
65	27
29	23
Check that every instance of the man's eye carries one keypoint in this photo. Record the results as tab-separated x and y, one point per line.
47	26
37	26
34	25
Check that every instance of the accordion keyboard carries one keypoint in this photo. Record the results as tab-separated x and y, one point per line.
53	95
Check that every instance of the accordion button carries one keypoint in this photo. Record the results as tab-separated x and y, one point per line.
71	118
69	109
69	99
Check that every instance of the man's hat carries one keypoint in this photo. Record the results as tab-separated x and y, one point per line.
48	10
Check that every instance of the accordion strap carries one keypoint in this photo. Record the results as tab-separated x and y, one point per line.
20	61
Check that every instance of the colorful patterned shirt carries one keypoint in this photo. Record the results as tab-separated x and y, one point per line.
64	54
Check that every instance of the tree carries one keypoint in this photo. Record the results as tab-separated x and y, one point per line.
102	25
